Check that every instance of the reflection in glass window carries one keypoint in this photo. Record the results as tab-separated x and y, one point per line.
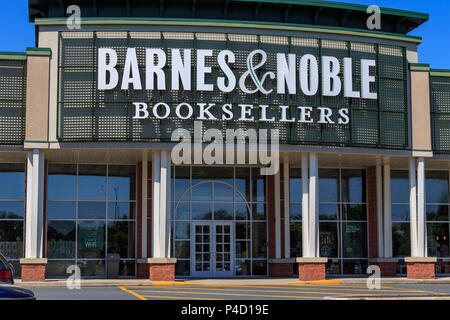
343	219
400	213
221	194
12	212
62	182
91	212
61	239
92	182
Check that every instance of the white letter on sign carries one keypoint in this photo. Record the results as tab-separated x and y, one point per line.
286	73
366	79
141	108
181	70
104	68
331	84
152	69
131	65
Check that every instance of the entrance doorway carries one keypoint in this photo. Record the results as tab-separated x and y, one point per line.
212	253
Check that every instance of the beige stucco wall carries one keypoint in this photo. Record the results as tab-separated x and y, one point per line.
37	98
420	111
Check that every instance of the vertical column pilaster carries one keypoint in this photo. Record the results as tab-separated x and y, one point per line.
33	265
305	206
287	218
387	218
313	205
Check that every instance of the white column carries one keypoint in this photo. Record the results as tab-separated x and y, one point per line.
413	206
305	206
34	220
313	205
144	195
421	223
156	165
380	227
168	204
387	211
161	205
277	216
287	218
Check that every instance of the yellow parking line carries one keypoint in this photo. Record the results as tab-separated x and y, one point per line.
265	291
133	293
235	294
183	298
289	290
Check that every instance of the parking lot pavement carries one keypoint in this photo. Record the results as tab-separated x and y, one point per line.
239	292
278	292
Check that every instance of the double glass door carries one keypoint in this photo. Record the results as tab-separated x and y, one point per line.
212	253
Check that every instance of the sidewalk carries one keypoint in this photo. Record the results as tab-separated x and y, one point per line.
224	282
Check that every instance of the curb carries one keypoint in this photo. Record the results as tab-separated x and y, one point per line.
141	283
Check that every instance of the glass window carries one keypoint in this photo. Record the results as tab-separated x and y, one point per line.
121	210
401	241
183	211
223	211
91	210
400	212
295	186
328	239
296	239
343	218
99	218
353	186
243	182
328	185
12	184
91	239
121	183
182	183
61	239
354	239
438	240
11	239
437	213
223	192
328	211
400	186
62	182
92	182
437	186
242	212
202	211
61	210
12	209
202	192
182	249
121	238
259	240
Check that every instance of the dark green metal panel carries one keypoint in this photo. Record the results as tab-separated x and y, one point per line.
90	115
12	102
440	114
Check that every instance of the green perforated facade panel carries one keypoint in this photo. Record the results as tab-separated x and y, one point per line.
440	114
87	114
12	102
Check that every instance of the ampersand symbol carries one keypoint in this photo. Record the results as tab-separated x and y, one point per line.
259	83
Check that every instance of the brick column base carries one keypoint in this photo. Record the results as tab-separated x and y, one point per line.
33	270
421	268
281	268
157	269
388	266
311	269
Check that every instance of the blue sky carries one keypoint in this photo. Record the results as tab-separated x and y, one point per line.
17	33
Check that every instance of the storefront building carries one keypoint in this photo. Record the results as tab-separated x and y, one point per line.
87	163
